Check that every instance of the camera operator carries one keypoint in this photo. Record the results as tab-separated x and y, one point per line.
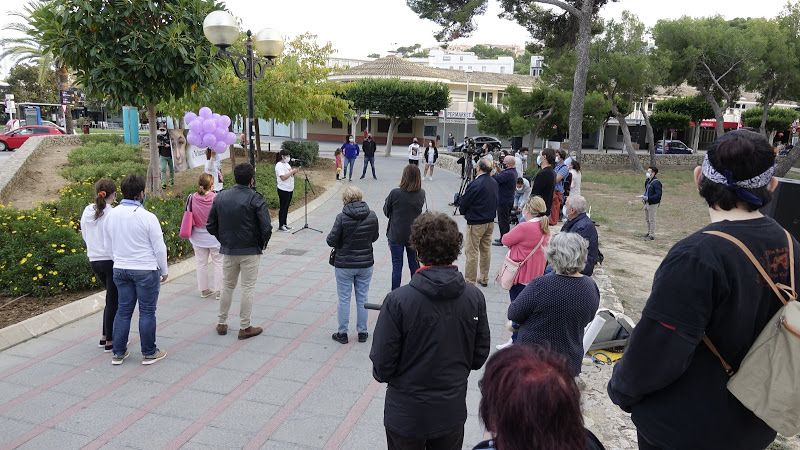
506	184
284	174
165	156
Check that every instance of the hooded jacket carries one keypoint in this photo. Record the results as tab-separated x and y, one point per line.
430	334
352	235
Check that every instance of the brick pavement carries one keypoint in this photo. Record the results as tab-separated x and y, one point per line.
290	388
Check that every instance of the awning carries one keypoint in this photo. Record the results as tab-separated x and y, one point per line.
712	123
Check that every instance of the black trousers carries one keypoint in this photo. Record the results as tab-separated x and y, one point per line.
104	271
450	441
285	197
504	218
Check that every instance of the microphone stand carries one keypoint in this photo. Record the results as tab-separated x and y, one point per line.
307	185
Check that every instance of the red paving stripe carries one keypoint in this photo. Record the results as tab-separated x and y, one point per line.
122	425
352	417
108	389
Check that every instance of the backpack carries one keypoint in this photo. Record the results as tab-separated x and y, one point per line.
768	380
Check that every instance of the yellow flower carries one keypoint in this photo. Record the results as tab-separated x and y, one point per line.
53	245
63	245
38	267
55	272
72	250
40	276
94	280
34	278
23	261
29	255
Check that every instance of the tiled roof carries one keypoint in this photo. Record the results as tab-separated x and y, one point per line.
392	66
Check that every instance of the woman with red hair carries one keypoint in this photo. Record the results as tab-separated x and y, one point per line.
531	402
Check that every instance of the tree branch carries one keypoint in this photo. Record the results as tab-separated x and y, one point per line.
717	80
563	5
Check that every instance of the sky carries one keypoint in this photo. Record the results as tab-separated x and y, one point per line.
360	27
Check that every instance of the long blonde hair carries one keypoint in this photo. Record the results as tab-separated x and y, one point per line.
205	183
537	208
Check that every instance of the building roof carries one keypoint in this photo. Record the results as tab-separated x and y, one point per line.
394	67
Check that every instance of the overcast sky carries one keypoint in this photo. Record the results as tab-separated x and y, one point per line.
360	27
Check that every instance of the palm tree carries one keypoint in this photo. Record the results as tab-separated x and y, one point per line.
24	47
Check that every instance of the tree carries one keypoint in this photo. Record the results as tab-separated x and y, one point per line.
136	53
412	51
25	83
778	120
25	46
398	100
489	51
572	27
374	55
695	109
710	54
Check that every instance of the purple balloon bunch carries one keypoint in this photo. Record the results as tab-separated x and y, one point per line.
210	130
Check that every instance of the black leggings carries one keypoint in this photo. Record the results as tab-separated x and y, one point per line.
104	271
285	198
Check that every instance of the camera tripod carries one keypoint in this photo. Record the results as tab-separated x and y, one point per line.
469	175
307	185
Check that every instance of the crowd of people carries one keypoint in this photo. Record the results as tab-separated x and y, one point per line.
432	332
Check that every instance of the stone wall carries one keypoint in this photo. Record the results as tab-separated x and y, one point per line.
13	168
617	160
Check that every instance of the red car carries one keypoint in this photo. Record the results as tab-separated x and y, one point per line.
15	138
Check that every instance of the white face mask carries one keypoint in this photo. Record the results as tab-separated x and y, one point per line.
539	160
287	158
524	156
352	140
558	159
649	174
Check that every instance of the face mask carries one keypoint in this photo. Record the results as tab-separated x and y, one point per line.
558	159
649	174
539	160
287	158
352	140
524	156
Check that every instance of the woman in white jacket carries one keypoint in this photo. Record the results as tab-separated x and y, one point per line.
98	249
213	167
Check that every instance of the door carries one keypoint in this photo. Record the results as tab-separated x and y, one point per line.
19	137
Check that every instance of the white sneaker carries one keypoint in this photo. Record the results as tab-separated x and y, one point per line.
284	228
505	345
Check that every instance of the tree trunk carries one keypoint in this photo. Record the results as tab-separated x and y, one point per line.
579	82
393	124
258	141
62	75
696	135
355	121
651	144
771	136
784	163
627	142
763	127
153	185
601	138
719	113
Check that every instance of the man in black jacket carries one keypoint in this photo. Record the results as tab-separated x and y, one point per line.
651	200
240	221
430	334
479	206
579	222
544	182
506	186
369	155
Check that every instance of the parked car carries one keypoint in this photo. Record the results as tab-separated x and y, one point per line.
494	143
45	123
14	139
673	147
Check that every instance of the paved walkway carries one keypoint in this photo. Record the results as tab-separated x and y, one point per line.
290	388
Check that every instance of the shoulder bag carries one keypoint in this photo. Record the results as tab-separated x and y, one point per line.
768	380
187	223
507	275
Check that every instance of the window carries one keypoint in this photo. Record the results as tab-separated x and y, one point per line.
460	67
406	127
502	69
461	58
383	125
649	106
430	130
469	67
471	96
446	58
489	98
451	67
500	97
336	123
483	68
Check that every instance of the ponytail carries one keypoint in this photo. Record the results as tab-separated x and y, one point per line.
537	208
103	188
205	183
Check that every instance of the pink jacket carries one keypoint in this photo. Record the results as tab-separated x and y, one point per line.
520	241
201	207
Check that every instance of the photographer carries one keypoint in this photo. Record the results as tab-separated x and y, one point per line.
284	174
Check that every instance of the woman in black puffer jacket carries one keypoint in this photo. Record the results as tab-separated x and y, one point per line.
352	235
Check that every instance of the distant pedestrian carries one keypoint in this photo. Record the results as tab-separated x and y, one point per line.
213	167
651	200
165	156
413	152
369	148
353	232
561	171
431	155
337	155
554	309
206	246
140	266
451	142
478	205
578	222
529	400
98	248
284	179
506	184
521	158
403	205
575	171
350	150
429	336
240	221
545	180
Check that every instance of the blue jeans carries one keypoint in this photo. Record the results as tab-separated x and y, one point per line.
348	162
368	160
513	293
133	285
517	198
346	279
397	262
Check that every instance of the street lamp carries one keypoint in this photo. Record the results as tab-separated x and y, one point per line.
221	29
466	105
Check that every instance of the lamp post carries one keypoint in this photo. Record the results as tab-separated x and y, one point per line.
221	29
466	105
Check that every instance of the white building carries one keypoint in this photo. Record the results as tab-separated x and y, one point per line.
537	65
466	62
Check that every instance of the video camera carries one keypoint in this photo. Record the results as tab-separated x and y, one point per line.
294	162
469	147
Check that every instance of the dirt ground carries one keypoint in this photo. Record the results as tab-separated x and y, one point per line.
42	179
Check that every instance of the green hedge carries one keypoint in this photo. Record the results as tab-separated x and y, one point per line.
307	151
103	160
266	184
101	138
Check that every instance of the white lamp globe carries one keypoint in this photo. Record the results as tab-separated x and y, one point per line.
268	43
220	28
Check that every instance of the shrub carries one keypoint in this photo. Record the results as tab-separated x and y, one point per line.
116	171
307	151
266	184
101	138
95	161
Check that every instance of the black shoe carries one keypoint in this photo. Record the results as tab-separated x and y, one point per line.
650	238
362	177
497	243
362	337
340	338
483	284
374	177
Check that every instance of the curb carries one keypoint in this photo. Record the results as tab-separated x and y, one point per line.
79	309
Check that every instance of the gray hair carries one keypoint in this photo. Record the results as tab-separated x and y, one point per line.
484	165
577	202
567	253
352	194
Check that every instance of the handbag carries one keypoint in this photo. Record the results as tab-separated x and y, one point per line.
507	275
187	223
332	257
768	382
